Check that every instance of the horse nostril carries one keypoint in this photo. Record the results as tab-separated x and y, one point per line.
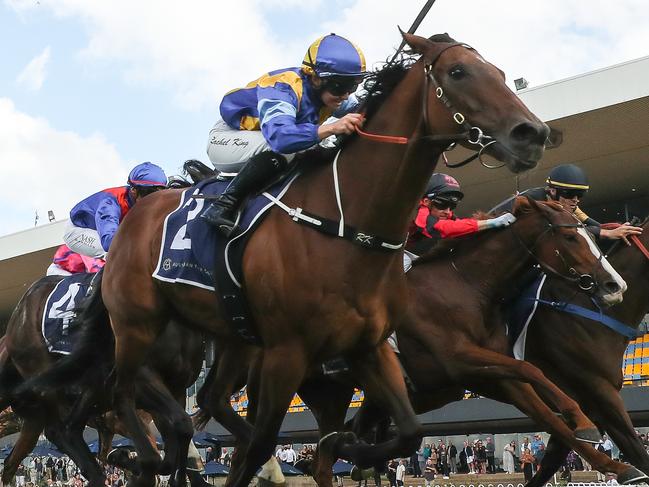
529	133
612	287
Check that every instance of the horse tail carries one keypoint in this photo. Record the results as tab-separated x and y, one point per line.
92	352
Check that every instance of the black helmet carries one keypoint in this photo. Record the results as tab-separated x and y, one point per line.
443	187
567	176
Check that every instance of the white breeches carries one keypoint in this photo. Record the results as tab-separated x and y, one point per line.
84	241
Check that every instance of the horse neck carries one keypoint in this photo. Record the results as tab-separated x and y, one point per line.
381	183
498	261
633	266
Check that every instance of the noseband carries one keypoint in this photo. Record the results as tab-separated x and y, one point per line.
585	282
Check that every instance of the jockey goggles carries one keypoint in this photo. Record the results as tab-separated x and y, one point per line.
444	204
339	86
570	193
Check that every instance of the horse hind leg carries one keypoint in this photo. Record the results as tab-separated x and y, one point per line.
25	443
282	371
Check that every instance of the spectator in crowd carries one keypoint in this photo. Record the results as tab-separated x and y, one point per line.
20	476
391	473
452	458
291	456
429	471
527	464
480	455
210	454
526	445
470	458
414	463
606	446
565	474
401	473
509	452
491	455
421	458
442	453
611	479
540	453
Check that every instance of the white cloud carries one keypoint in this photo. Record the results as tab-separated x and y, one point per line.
46	169
202	48
33	75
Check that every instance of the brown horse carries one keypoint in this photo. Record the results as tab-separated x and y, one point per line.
313	296
585	357
455	337
173	366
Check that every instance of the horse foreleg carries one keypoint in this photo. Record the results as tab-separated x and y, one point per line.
523	396
481	362
555	454
25	443
606	407
380	376
172	421
282	371
328	400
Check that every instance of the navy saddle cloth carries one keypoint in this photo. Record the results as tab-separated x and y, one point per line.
60	311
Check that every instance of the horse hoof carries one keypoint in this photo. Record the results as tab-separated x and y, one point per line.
589	435
632	476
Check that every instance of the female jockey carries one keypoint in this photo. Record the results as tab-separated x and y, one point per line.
435	218
264	124
94	220
567	184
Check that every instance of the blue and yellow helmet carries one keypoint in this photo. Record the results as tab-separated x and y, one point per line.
333	55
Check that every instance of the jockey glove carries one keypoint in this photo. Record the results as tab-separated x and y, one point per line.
501	221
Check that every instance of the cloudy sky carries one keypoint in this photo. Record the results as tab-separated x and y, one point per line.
89	88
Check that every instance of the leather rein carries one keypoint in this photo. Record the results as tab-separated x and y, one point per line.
472	135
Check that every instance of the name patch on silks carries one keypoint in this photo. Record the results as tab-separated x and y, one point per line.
187	252
61	309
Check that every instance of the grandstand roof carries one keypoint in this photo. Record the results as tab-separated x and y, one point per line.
603	116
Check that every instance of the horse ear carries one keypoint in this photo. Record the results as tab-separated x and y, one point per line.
524	204
418	44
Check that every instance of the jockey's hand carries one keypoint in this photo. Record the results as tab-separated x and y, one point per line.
501	221
623	231
345	125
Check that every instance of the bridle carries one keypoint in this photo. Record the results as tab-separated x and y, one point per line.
585	282
472	134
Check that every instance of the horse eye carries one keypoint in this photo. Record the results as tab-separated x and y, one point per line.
570	237
457	72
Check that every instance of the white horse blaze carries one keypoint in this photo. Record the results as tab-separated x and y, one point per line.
605	263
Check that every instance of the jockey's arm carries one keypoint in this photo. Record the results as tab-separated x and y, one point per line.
107	220
451	228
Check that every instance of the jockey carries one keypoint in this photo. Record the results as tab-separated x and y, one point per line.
263	125
94	220
567	184
66	262
435	219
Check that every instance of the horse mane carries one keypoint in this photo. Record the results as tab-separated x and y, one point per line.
380	83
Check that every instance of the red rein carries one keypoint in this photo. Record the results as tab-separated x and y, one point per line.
633	238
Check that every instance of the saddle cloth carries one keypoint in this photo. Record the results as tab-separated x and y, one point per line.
58	325
520	315
187	252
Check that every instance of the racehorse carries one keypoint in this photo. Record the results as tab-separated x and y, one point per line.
314	296
174	364
585	356
454	337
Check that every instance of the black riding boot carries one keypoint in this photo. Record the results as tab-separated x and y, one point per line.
251	178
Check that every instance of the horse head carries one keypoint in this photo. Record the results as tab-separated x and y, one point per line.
563	247
468	93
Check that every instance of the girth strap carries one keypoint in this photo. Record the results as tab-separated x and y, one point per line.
615	325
